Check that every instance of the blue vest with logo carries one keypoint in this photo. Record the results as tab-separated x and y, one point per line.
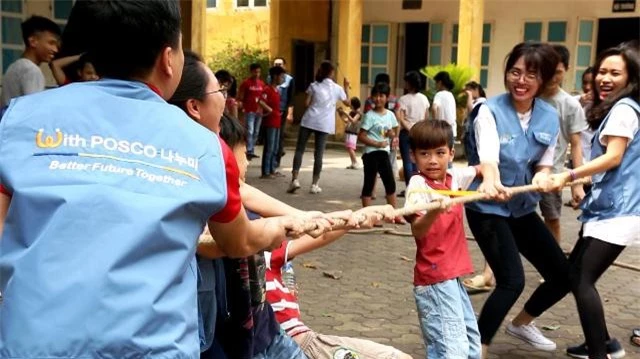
111	187
283	89
615	192
520	152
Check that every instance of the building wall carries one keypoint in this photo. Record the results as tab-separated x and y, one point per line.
507	18
226	23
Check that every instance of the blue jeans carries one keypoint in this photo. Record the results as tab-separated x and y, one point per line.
270	151
408	167
447	320
253	121
282	347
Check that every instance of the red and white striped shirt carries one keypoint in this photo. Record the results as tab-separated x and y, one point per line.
282	300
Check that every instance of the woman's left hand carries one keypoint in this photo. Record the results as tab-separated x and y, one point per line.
542	181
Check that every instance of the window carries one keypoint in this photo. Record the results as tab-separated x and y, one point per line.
11	17
435	44
411	4
211	4
374	52
552	31
584	50
61	10
251	3
486	46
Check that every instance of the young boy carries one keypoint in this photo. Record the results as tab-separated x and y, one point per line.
23	77
377	127
82	64
284	301
447	319
249	94
270	103
352	122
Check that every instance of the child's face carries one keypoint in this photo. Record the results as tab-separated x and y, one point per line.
88	73
433	163
379	100
240	153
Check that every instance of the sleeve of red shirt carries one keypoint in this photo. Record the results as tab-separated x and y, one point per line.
4	190
277	256
231	209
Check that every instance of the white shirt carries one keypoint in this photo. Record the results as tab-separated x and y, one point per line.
446	104
623	231
488	141
23	77
414	106
418	191
321	113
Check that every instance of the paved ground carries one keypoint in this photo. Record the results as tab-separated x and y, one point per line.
374	298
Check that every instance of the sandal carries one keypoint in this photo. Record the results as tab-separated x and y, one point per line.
476	284
635	337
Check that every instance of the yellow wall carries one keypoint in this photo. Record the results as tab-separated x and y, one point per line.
225	24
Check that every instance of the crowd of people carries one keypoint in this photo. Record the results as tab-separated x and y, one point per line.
142	147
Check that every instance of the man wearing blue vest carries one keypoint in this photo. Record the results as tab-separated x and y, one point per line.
105	190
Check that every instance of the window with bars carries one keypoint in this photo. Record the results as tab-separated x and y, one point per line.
250	3
547	31
584	50
11	17
436	39
486	49
374	52
212	4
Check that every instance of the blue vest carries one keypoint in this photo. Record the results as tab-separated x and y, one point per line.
111	187
519	153
283	89
615	192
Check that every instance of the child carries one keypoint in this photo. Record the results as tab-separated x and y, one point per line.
82	64
270	103
442	255
377	127
284	301
352	121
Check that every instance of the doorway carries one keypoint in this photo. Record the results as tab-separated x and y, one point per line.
416	48
613	31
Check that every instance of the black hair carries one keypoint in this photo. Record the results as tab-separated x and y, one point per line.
275	71
382	77
380	88
84	59
476	86
444	78
254	66
36	24
413	79
563	53
324	71
355	103
427	135
232	91
193	83
223	76
124	37
538	57
232	131
601	108
587	71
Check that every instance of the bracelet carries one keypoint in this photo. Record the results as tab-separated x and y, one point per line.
572	174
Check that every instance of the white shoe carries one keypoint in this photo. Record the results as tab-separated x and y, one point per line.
530	334
315	189
295	184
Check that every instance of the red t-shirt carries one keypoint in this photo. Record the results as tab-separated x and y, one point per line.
283	302
271	97
442	253
233	205
252	90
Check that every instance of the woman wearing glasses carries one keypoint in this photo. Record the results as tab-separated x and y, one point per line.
515	135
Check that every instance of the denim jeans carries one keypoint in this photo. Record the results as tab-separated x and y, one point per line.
253	121
282	347
270	151
447	320
320	143
408	167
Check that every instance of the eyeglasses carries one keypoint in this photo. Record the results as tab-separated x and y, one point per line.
515	75
222	90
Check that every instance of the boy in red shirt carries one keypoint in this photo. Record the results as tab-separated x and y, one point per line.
270	103
442	256
249	94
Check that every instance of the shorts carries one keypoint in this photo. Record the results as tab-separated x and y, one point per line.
551	205
350	141
319	346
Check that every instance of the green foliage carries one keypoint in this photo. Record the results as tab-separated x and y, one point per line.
237	58
460	76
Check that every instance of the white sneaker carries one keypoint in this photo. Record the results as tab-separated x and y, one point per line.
530	334
295	184
315	189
